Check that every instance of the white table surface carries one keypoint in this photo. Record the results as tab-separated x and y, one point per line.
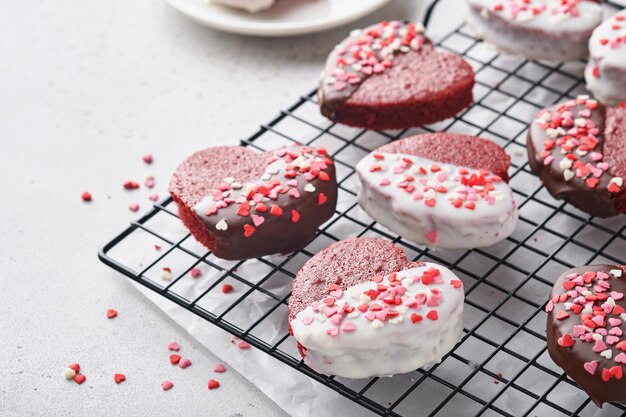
86	88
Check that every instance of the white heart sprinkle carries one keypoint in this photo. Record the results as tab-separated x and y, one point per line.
608	354
221	225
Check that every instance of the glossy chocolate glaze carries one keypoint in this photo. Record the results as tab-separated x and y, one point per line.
596	201
572	359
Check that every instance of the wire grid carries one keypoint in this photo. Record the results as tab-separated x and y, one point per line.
500	366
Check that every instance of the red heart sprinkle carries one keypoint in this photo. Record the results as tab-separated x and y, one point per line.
147	158
617	372
86	196
79	378
430	202
260	208
562	315
324	176
248	230
196	273
621	346
592	182
470	205
295	216
456	283
111	313
226	288
321	199
244	210
432	314
174	358
118	378
568	285
617	310
213	384
75	367
415	318
131	185
566	341
276	210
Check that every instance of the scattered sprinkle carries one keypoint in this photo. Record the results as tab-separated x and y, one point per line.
111	313
219	368
86	196
119	378
213	384
166	385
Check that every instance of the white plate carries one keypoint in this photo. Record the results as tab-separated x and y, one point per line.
287	17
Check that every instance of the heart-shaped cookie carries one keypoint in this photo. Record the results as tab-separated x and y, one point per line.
586	326
389	76
605	73
360	308
536	29
241	204
578	149
441	190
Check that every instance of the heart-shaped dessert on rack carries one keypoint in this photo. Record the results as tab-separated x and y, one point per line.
241	204
440	190
360	308
578	149
389	76
537	29
586	325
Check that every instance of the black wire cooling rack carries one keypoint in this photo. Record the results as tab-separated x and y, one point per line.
500	366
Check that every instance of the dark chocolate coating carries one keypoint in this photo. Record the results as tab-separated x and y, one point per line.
572	359
203	172
596	201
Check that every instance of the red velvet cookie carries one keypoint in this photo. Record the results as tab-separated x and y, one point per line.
441	190
360	308
578	149
241	204
389	76
586	325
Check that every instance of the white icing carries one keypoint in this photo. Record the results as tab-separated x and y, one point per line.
393	345
251	6
554	36
608	60
442	225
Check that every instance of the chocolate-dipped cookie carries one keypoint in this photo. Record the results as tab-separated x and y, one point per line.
578	149
440	190
241	204
389	76
360	308
586	325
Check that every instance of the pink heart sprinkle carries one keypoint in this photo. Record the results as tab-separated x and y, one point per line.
294	193
257	220
550	307
591	367
336	293
332	331
617	295
611	340
384	181
431	236
601	331
166	385
307	320
602	275
243	345
174	346
292	183
184	363
370	316
621	358
336	319
329	311
615	322
219	368
599	346
579	331
599	320
350	327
